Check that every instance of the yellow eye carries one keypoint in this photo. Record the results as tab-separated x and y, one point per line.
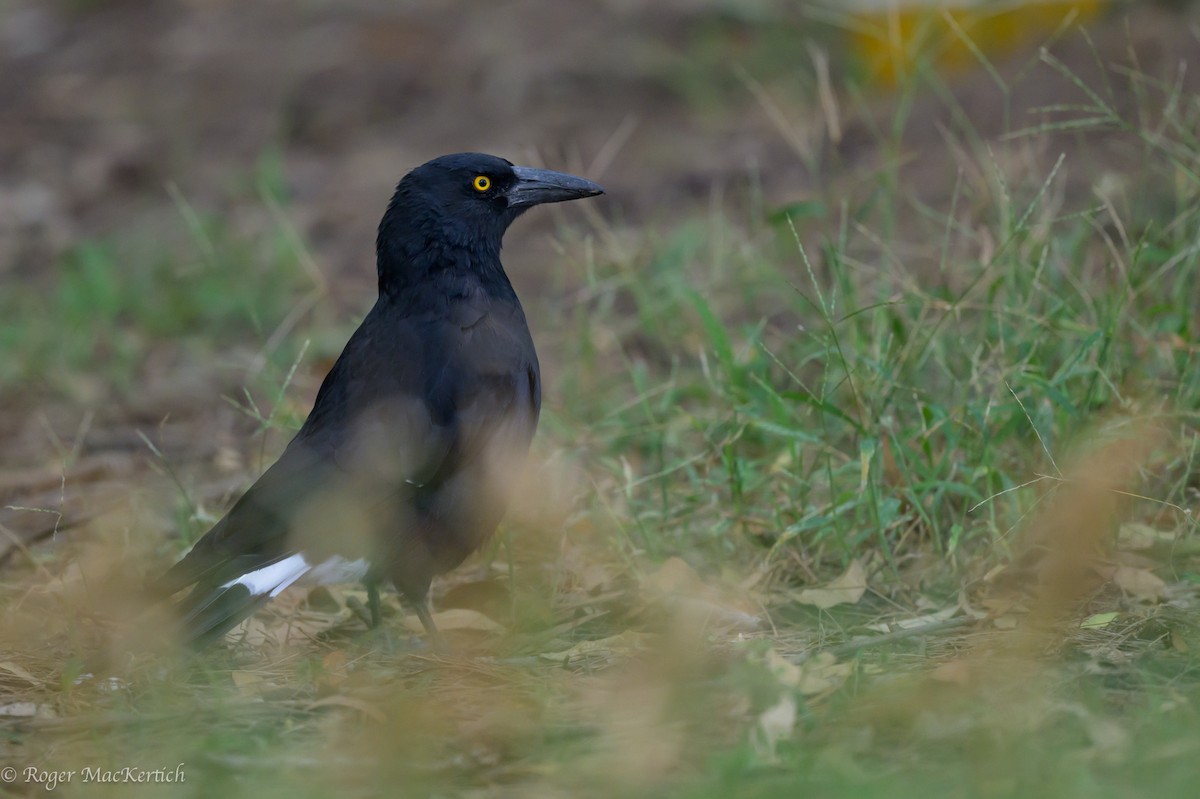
482	183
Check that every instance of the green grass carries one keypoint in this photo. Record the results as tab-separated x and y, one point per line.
113	301
778	403
770	395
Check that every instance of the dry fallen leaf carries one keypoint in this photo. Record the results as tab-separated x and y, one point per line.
1141	583
957	672
675	576
246	679
1135	536
995	572
456	619
595	576
999	606
620	645
845	590
679	587
337	700
1110	740
713	614
334	670
821	674
817	675
774	724
17	671
784	670
915	621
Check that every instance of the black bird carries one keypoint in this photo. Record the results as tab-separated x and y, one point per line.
405	464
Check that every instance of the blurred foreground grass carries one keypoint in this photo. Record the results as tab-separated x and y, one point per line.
770	434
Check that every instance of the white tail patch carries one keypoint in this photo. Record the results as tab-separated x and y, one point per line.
338	570
274	578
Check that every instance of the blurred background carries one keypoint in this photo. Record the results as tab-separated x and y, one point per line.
862	268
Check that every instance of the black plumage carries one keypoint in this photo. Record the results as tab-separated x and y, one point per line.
404	465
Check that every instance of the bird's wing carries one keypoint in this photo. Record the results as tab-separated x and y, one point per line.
368	436
493	390
495	410
249	534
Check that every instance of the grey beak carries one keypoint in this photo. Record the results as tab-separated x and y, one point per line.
537	186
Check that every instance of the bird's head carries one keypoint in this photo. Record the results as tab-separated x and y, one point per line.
466	202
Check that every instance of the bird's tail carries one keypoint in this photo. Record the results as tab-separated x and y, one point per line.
215	604
207	613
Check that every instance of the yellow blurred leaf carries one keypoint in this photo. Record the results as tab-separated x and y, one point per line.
845	590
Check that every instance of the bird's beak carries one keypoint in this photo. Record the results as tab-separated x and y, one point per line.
537	186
